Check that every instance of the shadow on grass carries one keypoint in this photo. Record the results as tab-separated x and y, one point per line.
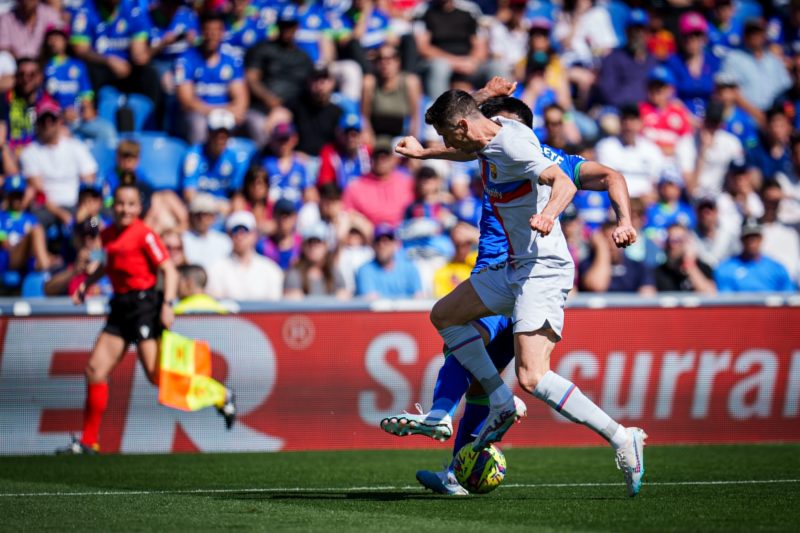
393	496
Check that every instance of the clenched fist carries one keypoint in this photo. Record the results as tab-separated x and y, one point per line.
542	223
410	147
624	235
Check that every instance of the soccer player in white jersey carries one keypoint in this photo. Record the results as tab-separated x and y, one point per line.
528	192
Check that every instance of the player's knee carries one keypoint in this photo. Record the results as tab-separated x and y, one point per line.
439	316
94	374
529	378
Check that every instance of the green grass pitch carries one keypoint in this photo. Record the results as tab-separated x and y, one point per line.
688	488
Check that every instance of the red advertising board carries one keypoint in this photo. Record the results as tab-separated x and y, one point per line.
324	380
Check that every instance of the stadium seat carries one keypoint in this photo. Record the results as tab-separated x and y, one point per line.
11	279
33	285
161	159
110	100
104	154
244	148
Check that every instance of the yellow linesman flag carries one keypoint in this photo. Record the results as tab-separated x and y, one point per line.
185	380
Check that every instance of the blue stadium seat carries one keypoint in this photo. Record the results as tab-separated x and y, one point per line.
161	159
11	279
245	148
104	154
33	285
109	100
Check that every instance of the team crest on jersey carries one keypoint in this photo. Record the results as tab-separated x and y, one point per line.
313	21
122	26
52	86
73	72
226	72
191	163
737	128
249	37
79	25
225	168
101	45
493	171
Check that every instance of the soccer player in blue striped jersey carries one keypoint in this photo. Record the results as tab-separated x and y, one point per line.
453	380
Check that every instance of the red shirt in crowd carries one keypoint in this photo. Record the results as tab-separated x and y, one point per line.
666	126
382	200
132	256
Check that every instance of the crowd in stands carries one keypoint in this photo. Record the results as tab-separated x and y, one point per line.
261	135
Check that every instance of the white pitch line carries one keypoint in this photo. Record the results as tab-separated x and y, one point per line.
279	490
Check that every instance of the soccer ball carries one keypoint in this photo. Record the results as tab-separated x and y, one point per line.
480	471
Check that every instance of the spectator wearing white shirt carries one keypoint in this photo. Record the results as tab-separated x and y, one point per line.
739	201
202	244
781	242
55	165
713	242
635	157
244	274
705	157
508	39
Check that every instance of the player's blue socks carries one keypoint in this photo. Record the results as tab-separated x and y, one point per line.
475	413
451	384
466	344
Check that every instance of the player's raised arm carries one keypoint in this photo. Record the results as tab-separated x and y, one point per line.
563	192
495	87
597	177
410	147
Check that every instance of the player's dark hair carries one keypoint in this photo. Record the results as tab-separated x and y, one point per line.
127	180
494	106
195	273
775	111
552	106
210	16
450	107
330	191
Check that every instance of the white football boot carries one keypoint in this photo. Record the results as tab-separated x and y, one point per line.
499	421
443	482
630	459
437	424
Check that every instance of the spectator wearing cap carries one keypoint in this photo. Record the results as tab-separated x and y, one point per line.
736	119
208	79
705	157
286	169
712	241
315	273
214	167
315	115
772	155
694	66
751	270
23	28
202	244
585	32
244	274
276	72
390	101
389	275
670	208
192	292
21	236
781	241
55	164
18	106
459	268
283	246
623	76
111	36
449	43
383	195
761	74
88	257
633	155
681	270
610	269
348	157
739	200
666	120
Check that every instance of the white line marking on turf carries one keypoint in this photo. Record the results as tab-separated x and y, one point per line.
267	490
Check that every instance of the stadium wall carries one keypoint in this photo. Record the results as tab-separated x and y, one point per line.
313	380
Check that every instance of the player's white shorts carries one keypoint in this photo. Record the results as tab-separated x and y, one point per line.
532	295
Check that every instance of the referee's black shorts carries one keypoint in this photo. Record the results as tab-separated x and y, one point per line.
136	316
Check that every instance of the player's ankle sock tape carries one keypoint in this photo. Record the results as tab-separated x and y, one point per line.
566	398
452	383
466	344
469	425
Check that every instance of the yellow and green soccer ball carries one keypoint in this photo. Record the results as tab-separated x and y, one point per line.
480	471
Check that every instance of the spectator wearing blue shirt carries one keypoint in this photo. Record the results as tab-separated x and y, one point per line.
773	155
112	36
609	269
735	119
209	79
361	31
22	239
286	171
214	167
389	275
348	157
695	65
285	244
751	271
173	28
726	34
243	29
669	209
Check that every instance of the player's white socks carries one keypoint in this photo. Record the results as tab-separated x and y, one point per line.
466	345
566	398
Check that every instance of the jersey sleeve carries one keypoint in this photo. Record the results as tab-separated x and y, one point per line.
153	247
526	160
85	90
139	25
184	67
81	30
573	164
238	70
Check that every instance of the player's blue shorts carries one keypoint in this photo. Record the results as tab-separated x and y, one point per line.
501	343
